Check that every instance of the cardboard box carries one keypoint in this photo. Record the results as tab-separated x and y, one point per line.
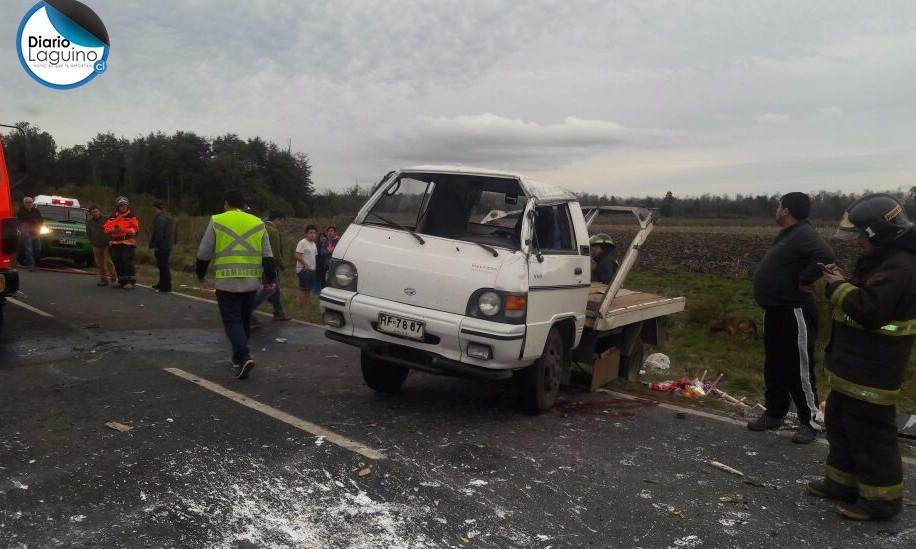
606	367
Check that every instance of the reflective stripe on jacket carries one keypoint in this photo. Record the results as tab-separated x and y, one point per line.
874	327
237	252
119	226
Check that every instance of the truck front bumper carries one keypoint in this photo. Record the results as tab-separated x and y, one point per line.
448	336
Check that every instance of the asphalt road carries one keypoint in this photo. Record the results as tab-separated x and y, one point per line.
459	466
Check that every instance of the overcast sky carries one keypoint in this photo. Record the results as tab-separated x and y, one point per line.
626	98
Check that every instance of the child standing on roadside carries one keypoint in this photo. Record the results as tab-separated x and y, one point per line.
306	254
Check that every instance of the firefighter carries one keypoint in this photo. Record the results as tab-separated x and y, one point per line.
122	227
874	326
604	258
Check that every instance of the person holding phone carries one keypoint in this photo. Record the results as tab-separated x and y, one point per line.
784	288
874	329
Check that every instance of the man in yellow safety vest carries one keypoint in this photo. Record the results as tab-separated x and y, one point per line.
238	245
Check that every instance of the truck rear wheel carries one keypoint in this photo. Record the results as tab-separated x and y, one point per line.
540	382
381	375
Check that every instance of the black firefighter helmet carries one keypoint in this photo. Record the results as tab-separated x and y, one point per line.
880	217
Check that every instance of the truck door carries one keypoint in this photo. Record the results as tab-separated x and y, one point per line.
558	272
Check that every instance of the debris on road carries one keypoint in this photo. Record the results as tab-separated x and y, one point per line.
118	426
90	325
725	468
737	498
281	340
367	470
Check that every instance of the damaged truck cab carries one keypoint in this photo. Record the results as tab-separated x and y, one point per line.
433	276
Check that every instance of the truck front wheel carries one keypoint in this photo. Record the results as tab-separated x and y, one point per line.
540	382
381	375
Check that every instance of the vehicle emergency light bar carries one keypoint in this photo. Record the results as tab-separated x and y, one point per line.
62	201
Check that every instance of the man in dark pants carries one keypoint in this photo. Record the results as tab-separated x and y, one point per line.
161	242
783	287
238	245
874	327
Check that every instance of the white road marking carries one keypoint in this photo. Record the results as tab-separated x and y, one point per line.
289	419
29	307
722	419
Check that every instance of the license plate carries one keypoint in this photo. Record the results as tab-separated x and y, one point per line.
67	242
404	327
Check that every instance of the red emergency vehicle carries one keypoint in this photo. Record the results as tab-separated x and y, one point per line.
9	238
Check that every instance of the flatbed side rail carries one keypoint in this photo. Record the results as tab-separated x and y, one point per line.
646	218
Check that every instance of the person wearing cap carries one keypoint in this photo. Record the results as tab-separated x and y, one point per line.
784	289
604	258
122	227
30	222
161	242
873	331
237	244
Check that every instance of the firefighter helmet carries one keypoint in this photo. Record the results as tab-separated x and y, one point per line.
601	239
880	217
122	200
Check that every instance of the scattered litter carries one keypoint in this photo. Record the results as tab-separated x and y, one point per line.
141	305
650	481
326	356
436	502
77	518
758	483
90	325
680	415
118	426
365	471
280	340
737	498
657	363
170	420
19	485
478	482
725	468
696	388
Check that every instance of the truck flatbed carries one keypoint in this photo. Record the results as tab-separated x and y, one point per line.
627	307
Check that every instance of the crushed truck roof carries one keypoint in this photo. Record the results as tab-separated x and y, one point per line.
543	192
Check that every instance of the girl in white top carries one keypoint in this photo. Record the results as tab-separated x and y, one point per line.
306	254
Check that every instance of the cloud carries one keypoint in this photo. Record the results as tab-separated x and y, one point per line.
491	138
773	119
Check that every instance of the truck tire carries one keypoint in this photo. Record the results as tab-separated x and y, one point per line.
540	382
381	375
632	363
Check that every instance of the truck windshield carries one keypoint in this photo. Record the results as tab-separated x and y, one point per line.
480	209
62	213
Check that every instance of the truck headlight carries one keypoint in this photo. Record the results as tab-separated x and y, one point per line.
489	304
44	230
344	275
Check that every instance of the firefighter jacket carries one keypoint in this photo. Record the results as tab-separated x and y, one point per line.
874	326
122	228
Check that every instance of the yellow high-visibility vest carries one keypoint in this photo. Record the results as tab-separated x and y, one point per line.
238	252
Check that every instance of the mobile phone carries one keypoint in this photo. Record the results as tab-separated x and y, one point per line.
823	267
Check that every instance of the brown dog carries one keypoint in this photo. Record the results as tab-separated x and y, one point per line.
732	325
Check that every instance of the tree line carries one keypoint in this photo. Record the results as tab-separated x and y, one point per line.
191	172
